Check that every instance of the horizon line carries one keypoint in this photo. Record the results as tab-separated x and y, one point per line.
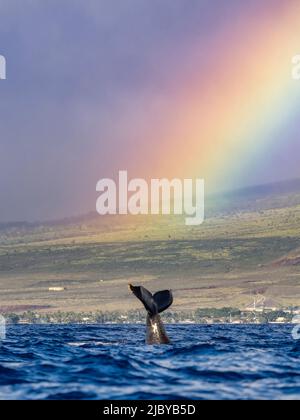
210	196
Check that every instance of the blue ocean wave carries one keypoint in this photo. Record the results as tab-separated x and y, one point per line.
112	362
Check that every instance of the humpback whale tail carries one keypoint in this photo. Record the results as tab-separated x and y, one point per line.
154	305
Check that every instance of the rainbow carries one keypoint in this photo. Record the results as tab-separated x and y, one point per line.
233	108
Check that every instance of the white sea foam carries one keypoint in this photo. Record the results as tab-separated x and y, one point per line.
94	343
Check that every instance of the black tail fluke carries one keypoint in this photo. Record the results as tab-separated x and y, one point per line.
145	297
163	300
154	304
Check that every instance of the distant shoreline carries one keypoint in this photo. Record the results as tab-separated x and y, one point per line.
141	323
209	316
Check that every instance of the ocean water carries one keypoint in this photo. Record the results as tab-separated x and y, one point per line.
112	362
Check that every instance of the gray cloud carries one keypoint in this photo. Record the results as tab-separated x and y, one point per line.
81	75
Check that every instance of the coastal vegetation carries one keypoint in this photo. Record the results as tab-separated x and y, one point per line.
200	316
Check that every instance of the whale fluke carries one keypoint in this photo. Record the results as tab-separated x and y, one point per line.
163	300
154	305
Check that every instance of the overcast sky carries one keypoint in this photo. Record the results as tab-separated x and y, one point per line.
72	68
